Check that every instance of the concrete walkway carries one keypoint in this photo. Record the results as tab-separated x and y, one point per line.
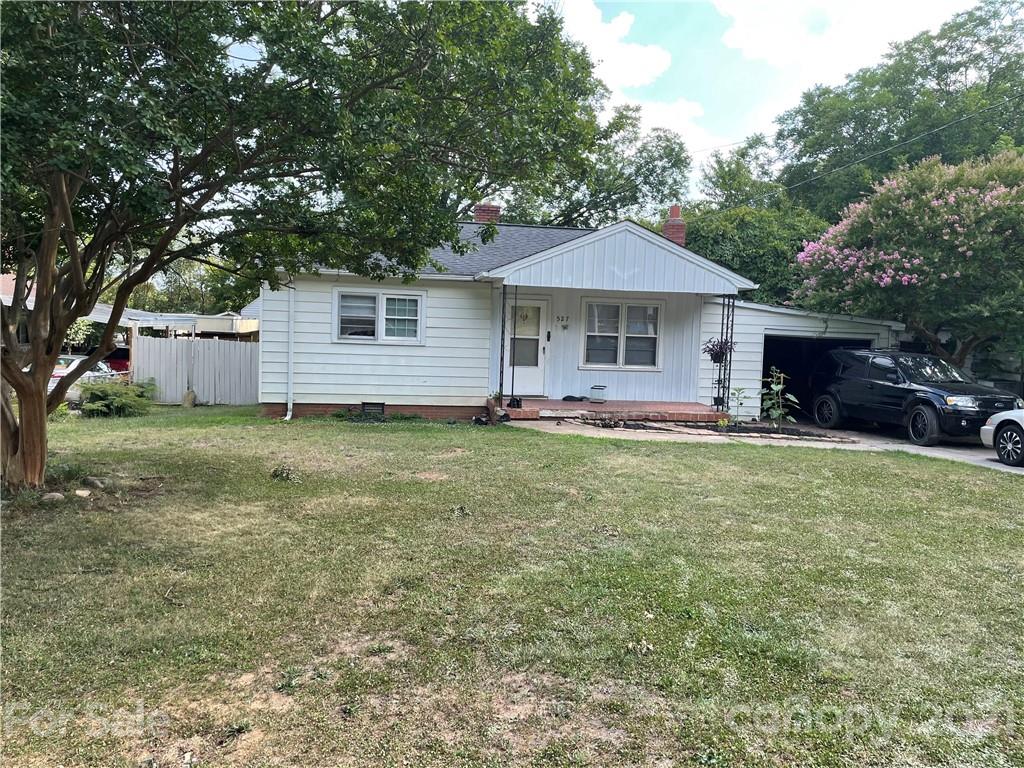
869	439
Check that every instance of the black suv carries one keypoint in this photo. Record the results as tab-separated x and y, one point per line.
922	392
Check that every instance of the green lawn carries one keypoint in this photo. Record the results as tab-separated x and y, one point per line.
443	595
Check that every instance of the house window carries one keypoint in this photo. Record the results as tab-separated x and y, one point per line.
401	317
366	315
602	334
622	335
357	316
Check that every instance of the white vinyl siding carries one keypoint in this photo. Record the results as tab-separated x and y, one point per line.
449	365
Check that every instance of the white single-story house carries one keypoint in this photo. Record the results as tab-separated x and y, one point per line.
538	314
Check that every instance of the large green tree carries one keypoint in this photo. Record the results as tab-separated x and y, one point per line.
973	63
748	223
627	174
187	286
937	246
257	135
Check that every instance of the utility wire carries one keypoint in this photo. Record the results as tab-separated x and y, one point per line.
865	157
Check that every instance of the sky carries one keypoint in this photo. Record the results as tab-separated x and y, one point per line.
716	71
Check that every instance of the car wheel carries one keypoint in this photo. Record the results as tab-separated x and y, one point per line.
923	426
1010	445
826	412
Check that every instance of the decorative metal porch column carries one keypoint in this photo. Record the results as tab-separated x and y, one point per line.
723	369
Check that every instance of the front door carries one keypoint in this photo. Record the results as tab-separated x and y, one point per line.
526	349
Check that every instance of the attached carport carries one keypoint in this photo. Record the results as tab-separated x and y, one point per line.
796	356
791	339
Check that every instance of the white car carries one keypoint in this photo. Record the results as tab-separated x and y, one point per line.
67	363
1004	431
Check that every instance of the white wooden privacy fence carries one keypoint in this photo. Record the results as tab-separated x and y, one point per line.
221	372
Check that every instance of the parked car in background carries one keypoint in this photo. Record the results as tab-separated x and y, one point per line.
66	363
924	393
119	359
1004	431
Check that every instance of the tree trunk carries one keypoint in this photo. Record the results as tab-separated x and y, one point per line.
24	446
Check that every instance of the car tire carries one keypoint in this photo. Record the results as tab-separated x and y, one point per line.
826	412
1009	444
923	425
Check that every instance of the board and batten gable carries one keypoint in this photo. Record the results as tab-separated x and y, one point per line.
622	257
448	367
755	321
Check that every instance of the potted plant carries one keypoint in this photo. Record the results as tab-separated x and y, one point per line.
717	349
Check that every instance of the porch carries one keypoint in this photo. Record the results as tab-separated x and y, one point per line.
621	310
615	410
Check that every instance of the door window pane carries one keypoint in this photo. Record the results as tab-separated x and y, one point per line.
602	350
640	350
603	318
526	320
525	352
357	315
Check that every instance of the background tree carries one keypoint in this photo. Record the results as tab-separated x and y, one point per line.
748	223
188	286
937	246
974	61
628	174
255	136
743	176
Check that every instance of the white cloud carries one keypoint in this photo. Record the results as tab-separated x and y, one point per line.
622	64
817	41
619	64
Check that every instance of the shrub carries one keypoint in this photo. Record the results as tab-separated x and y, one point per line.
115	398
60	413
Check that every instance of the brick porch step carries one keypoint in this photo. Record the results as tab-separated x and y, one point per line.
616	410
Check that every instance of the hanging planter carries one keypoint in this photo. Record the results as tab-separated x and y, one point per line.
717	349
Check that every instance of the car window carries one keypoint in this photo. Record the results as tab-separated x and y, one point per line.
931	370
102	367
852	365
882	369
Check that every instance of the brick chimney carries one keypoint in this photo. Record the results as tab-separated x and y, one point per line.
484	213
674	227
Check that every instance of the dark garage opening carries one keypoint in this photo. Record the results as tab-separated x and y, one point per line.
795	356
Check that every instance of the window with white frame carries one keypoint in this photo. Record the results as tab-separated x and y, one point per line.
621	335
379	316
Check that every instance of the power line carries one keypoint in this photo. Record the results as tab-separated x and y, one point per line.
867	157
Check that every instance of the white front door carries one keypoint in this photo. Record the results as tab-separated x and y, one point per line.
526	348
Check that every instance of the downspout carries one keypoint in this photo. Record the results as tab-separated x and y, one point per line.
291	353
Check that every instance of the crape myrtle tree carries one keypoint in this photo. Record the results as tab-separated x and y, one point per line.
937	246
256	136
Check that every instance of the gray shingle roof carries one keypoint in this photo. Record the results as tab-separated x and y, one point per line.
513	242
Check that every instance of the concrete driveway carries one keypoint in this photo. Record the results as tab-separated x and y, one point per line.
968	450
870	438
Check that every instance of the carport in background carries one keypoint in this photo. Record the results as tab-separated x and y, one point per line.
795	356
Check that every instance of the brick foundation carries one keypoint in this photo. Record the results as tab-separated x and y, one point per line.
439	412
